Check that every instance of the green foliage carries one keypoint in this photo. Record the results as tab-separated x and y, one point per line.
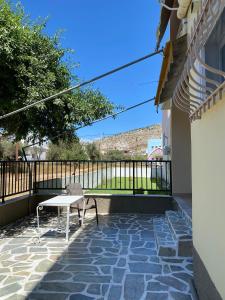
8	150
71	150
116	155
139	157
93	152
32	68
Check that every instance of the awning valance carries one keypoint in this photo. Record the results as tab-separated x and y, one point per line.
172	66
164	20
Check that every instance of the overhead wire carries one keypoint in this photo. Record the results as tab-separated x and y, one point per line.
94	122
84	83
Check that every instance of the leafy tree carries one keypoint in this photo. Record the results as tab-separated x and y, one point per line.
66	150
8	150
33	67
115	155
93	152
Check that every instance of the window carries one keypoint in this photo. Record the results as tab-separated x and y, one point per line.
215	49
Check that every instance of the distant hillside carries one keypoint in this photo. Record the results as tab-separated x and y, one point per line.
134	141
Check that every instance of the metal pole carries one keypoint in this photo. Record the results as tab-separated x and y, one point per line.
171	182
3	182
133	177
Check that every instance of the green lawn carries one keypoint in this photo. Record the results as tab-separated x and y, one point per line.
125	185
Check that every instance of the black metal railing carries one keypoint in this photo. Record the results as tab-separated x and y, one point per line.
132	176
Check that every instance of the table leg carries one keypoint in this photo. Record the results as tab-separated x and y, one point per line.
38	224
83	213
67	223
58	218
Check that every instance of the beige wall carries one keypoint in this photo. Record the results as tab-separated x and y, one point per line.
208	192
181	151
166	128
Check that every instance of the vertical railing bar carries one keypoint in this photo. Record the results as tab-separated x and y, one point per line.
3	183
88	175
43	167
146	174
166	175
52	174
83	173
125	175
79	171
111	174
151	175
48	174
106	174
56	174
65	168
92	177
171	183
161	176
97	173
24	178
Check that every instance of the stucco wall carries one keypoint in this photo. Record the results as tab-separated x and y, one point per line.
181	151
166	127
208	192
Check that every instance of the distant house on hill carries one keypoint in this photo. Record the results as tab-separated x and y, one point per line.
154	150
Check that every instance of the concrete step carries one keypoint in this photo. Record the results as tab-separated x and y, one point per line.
181	231
166	245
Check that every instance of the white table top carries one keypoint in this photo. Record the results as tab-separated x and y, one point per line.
61	200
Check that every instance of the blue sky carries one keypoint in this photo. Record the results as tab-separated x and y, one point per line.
104	35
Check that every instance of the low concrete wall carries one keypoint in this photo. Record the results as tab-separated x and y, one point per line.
148	204
15	209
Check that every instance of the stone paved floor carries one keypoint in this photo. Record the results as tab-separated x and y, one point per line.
117	260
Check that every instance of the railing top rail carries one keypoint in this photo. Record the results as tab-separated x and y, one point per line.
92	161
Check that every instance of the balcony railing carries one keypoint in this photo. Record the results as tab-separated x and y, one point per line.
133	176
196	91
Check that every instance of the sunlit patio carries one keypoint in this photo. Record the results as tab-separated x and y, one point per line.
117	260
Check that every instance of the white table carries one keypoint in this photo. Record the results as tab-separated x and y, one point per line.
59	202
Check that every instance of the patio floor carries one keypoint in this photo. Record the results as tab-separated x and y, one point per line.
117	260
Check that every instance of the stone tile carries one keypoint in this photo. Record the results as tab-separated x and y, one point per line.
31	286
101	243
16	297
94	289
145	268
19	250
173	282
138	257
76	261
80	297
115	292
9	289
156	286
183	276
106	269
157	296
47	296
38	250
44	266
106	261
118	260
180	296
118	274
134	287
143	251
122	262
82	277
56	276
12	279
64	287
